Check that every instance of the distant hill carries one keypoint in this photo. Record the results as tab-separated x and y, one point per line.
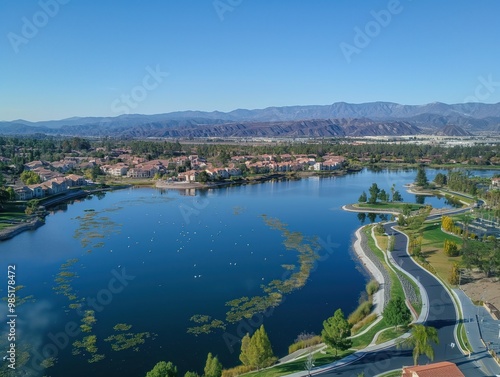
338	119
452	130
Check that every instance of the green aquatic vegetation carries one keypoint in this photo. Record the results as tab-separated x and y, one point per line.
88	321
93	226
295	241
122	327
64	279
95	358
127	340
207	324
49	362
295	277
19	299
88	343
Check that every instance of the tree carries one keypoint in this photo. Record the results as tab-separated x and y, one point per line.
383	196
336	331
191	374
451	248
396	196
30	177
309	363
213	367
163	369
203	177
454	277
447	223
245	350
421	179
440	179
256	351
396	312
4	195
362	197
406	209
374	190
420	340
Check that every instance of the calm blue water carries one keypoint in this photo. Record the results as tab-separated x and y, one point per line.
183	255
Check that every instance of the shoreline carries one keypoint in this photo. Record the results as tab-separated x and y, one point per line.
13	231
351	208
380	297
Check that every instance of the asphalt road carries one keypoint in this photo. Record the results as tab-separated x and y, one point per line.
442	316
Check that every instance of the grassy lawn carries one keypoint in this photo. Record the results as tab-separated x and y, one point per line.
365	339
397	288
298	365
18	215
391	333
388	206
462	337
432	248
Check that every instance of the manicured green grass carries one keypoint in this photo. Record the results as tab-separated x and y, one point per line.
432	248
396	288
462	337
387	206
298	365
12	215
364	340
391	333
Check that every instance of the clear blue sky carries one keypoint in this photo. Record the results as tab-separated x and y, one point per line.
83	57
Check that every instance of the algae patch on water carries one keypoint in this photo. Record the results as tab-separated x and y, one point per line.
294	277
94	227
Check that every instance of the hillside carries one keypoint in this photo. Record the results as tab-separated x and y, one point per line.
338	119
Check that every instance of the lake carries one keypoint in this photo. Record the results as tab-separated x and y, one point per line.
140	268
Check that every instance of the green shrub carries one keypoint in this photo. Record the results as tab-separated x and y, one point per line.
360	313
301	344
372	287
358	326
236	371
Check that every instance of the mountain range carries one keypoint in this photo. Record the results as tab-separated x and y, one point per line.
337	120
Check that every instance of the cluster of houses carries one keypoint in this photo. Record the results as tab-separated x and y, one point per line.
262	164
55	179
52	183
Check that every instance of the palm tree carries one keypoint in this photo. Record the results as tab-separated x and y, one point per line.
420	340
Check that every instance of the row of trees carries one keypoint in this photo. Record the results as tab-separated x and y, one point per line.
213	368
380	194
256	353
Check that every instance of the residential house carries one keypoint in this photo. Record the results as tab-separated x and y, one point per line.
495	182
37	191
23	193
116	170
46	174
442	369
36	164
189	176
74	180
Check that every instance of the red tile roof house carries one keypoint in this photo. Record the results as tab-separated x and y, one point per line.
442	369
